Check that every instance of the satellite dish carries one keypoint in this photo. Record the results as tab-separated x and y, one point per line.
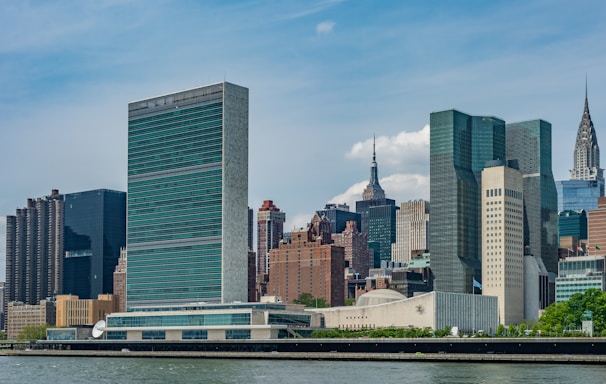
98	329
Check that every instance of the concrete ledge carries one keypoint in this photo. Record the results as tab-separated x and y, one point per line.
444	357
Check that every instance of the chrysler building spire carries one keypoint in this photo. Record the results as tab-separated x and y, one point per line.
586	149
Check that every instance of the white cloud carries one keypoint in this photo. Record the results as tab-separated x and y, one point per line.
325	27
297	221
400	187
409	150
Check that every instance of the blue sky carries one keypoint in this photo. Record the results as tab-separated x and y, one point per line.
324	76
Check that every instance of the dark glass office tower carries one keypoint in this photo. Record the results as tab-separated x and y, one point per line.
188	197
339	215
95	229
377	216
453	219
460	147
529	142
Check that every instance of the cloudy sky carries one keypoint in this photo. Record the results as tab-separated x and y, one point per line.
324	76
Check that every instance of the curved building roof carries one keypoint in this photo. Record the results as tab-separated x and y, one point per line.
379	296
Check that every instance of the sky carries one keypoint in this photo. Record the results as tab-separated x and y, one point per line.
323	78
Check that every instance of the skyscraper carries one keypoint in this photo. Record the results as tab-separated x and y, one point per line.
270	228
502	210
412	230
378	215
187	197
586	182
95	230
34	250
529	142
339	215
460	145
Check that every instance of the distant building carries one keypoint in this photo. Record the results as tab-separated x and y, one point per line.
71	310
95	230
412	231
34	250
357	254
270	228
378	216
529	143
460	146
579	273
308	264
586	182
187	197
573	223
120	281
339	215
2	310
437	310
596	228
20	315
536	287
503	239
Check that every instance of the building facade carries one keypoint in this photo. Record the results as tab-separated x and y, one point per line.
529	143
187	196
578	274
95	230
412	231
20	315
270	229
377	216
586	182
460	145
503	239
120	281
71	310
357	254
596	228
308	264
34	250
339	215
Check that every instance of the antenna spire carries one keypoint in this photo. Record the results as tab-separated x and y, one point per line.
374	154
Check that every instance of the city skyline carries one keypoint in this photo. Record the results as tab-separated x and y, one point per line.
336	72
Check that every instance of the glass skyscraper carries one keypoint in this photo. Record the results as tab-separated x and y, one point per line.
529	143
95	229
460	147
187	197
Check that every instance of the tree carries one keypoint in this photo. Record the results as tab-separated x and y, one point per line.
308	300
567	315
33	332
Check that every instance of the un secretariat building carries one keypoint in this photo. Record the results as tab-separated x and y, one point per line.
188	197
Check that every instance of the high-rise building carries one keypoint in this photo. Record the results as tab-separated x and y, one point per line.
339	215
586	182
270	228
378	216
503	239
529	143
355	243
460	146
596	229
187	197
412	226
572	223
120	281
34	250
307	264
95	230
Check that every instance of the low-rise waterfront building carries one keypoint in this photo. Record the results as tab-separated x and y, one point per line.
578	274
20	315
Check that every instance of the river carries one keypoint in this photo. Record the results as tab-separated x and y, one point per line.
51	370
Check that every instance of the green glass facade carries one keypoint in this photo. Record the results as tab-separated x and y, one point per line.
187	197
529	143
460	147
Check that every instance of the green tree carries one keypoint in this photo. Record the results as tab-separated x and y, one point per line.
350	301
33	332
2	335
308	300
567	315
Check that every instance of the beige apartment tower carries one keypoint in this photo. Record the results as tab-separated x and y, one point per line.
503	239
412	223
